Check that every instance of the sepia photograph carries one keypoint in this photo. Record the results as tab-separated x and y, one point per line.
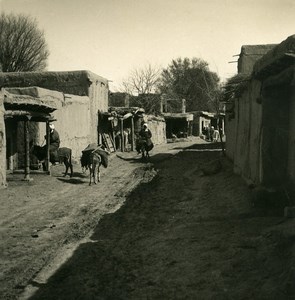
147	150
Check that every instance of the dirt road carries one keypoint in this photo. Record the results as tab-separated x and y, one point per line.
157	230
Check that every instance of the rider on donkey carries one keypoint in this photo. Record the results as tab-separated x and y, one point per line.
54	142
145	135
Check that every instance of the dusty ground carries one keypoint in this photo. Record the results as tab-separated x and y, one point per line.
156	230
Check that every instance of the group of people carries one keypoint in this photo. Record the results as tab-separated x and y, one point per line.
211	134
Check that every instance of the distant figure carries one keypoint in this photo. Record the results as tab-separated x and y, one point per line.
204	132
211	131
173	136
126	137
215	136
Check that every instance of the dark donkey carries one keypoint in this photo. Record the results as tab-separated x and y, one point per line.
92	158
62	155
144	146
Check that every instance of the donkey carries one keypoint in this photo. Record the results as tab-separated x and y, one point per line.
143	147
62	155
92	159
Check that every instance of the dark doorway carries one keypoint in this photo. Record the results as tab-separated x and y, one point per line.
275	120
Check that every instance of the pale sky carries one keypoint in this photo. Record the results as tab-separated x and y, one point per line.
112	37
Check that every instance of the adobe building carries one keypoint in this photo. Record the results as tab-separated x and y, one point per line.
260	120
73	100
93	88
250	54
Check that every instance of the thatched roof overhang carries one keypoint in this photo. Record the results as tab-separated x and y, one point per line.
23	107
28	103
276	60
211	115
185	116
158	118
126	112
23	115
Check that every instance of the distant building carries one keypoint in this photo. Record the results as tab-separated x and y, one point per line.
204	119
119	99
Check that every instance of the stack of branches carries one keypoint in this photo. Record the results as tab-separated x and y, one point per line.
235	86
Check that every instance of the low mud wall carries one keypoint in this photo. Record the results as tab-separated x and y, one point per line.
157	125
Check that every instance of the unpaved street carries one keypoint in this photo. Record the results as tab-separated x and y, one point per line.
157	230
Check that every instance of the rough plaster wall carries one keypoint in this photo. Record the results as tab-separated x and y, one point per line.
158	129
245	148
255	124
242	140
231	134
2	145
246	63
291	158
243	134
73	125
98	93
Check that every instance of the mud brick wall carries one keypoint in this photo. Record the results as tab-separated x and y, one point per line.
73	124
157	125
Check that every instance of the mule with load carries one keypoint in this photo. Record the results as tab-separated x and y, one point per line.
93	156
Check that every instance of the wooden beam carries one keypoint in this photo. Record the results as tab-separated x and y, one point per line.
27	150
25	114
47	159
122	134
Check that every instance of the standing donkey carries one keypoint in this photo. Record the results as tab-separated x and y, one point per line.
92	158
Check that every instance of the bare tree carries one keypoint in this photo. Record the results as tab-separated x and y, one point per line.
22	44
142	85
142	80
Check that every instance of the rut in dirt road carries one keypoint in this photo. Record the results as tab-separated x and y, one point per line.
181	235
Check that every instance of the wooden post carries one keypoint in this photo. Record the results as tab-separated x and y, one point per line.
132	134
47	159
99	139
122	134
113	134
183	106
27	149
221	140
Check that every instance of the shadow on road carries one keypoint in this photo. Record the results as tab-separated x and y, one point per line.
152	159
71	180
168	242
